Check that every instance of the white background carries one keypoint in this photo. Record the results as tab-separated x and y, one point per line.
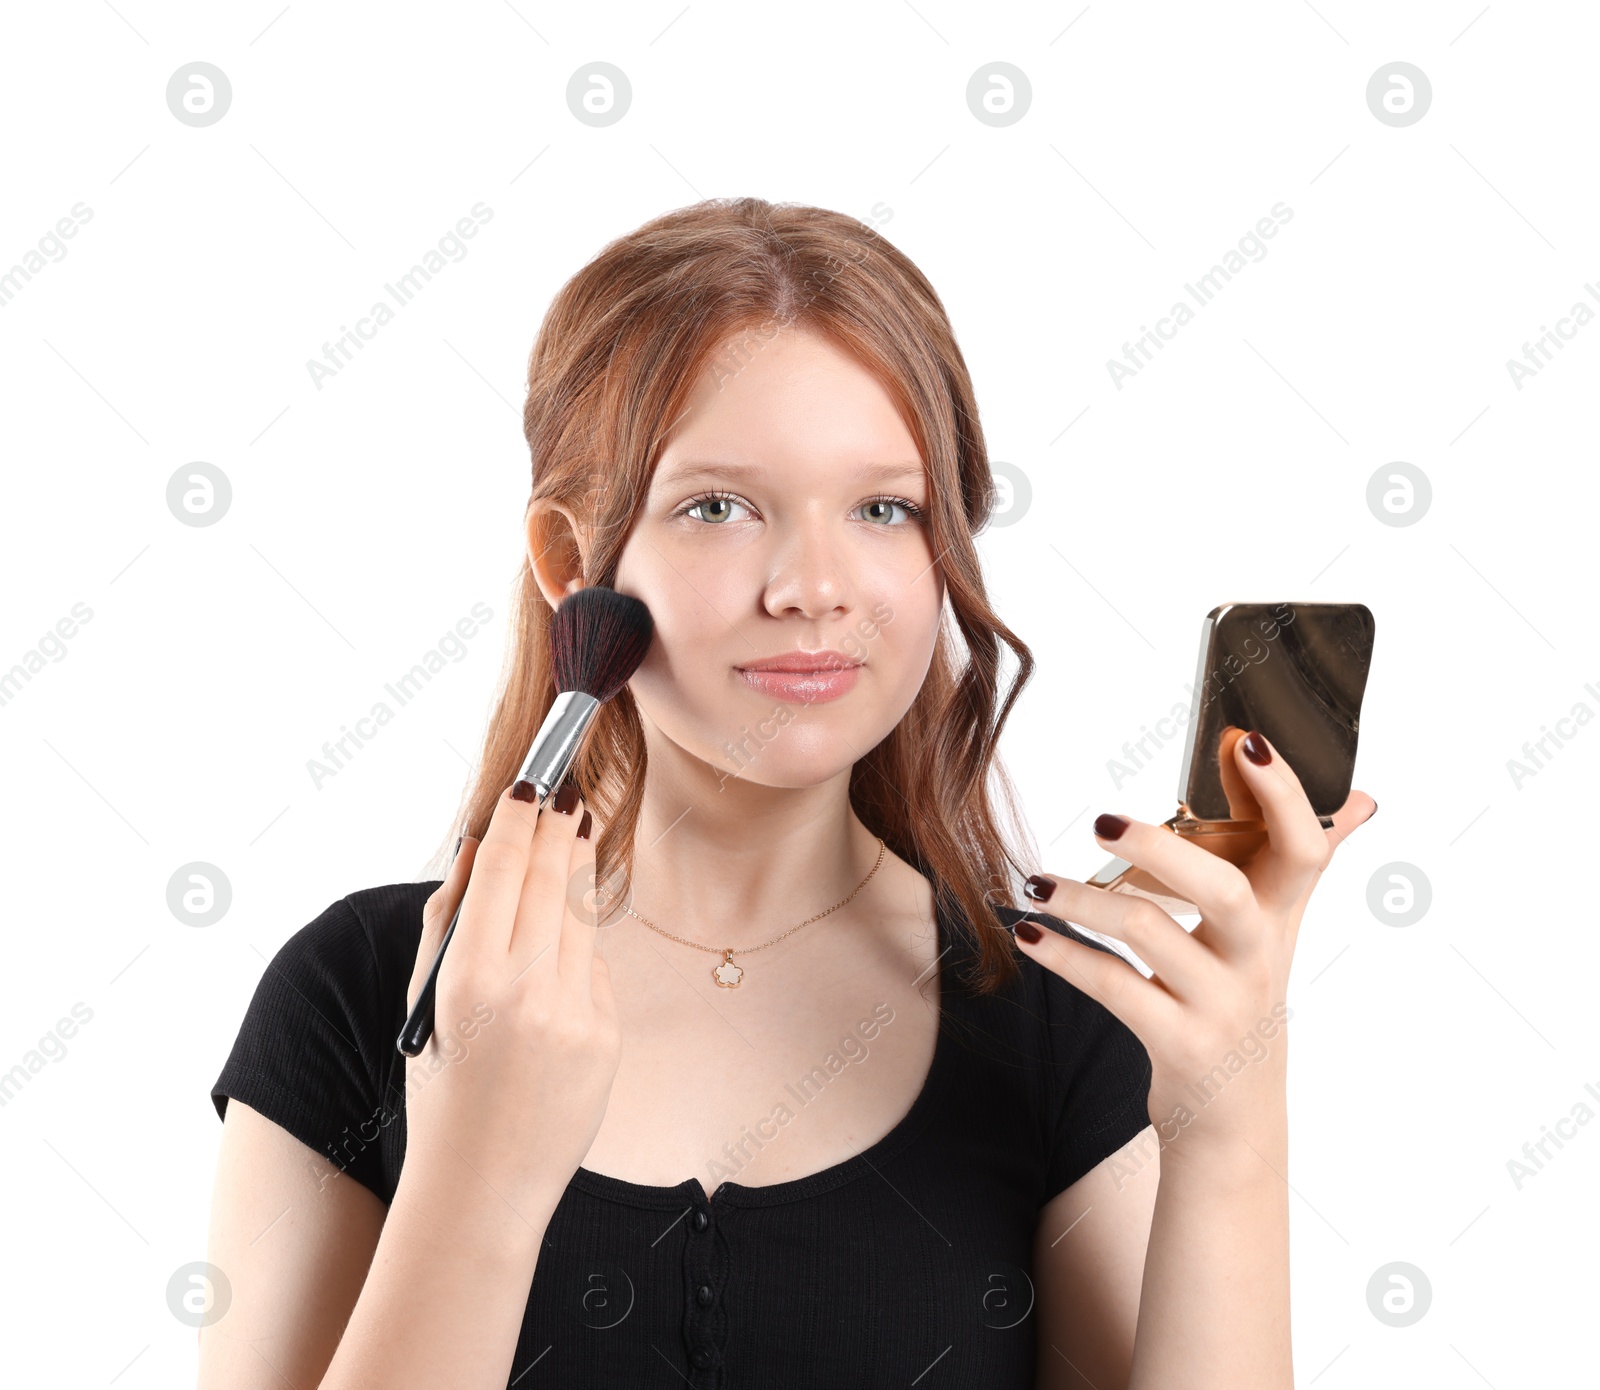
369	516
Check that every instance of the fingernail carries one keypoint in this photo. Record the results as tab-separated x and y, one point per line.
1110	827
1374	810
457	849
584	824
524	791
566	799
1039	888
1255	748
1029	932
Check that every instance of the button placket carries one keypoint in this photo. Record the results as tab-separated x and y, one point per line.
705	1272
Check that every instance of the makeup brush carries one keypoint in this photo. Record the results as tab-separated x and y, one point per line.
598	637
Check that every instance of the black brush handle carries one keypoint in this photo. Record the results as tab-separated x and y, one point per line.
419	1026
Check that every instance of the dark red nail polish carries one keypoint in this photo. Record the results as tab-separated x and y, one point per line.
1255	748
566	800
1029	932
1110	827
584	824
524	791
1039	888
457	849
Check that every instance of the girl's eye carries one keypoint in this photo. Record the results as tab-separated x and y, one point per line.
715	507
882	509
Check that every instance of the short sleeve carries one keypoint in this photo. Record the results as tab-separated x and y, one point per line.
305	1055
1102	1075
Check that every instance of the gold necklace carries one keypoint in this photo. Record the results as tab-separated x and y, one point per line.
726	973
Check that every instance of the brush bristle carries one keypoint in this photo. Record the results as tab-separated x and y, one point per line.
598	637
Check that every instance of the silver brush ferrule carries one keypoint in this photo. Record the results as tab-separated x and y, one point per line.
557	741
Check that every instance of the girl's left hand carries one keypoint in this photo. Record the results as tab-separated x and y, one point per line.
1212	1011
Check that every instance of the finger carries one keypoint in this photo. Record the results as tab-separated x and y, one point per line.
605	1002
1357	810
1181	964
541	905
1297	846
494	888
580	922
1103	975
437	913
1242	803
1219	889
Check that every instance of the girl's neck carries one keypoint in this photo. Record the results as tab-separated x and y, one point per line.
736	863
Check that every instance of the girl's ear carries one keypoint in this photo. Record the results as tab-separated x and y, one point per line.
555	549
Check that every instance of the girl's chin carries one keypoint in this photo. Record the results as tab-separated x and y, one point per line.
762	741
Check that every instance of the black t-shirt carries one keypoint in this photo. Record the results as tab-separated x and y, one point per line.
908	1263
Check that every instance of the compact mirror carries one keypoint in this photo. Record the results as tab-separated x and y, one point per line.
1295	671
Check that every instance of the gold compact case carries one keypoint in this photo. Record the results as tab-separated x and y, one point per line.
1296	672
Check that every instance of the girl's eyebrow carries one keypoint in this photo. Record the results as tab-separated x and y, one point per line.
689	470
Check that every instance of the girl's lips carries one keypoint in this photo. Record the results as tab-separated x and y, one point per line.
803	687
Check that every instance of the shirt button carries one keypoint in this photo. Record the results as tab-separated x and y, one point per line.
700	1220
703	1295
700	1357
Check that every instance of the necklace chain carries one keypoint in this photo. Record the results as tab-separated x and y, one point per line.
727	974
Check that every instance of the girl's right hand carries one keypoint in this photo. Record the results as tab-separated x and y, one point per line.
514	1082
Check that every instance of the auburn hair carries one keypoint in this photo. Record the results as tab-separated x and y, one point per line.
620	350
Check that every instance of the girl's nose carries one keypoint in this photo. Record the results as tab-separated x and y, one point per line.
808	573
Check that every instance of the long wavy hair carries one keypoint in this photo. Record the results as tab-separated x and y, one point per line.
617	357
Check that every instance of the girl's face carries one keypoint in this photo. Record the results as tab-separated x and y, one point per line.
784	525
